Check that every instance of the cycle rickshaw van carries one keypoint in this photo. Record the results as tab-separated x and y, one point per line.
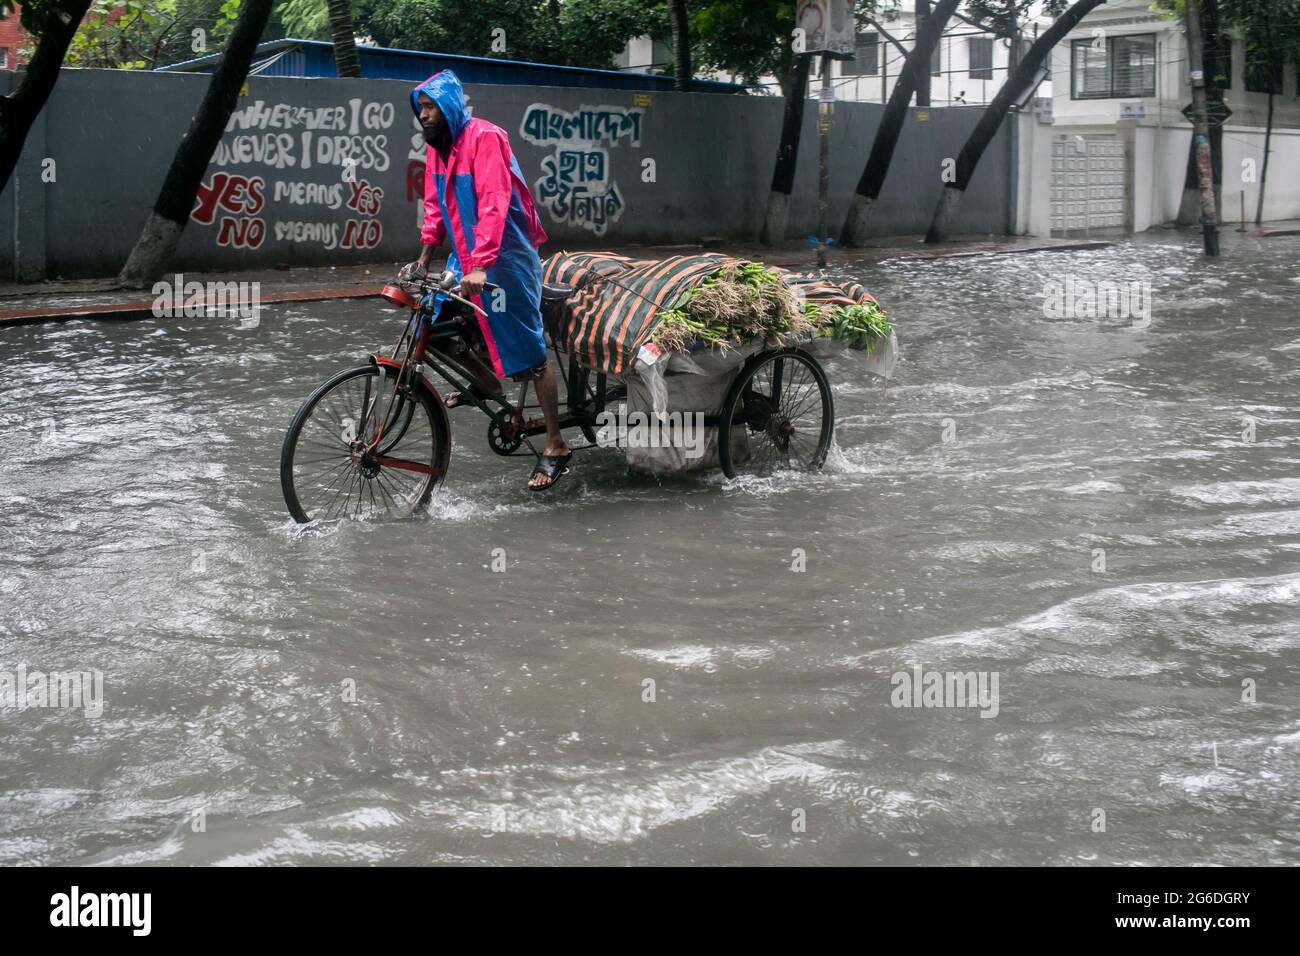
732	344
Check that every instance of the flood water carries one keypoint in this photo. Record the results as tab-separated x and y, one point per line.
1074	504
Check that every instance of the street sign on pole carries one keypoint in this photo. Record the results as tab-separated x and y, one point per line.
827	28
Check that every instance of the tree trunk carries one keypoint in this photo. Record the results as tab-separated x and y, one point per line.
681	46
20	108
787	152
157	242
891	124
346	61
1263	173
992	117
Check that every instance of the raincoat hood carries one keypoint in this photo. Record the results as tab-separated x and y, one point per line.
444	89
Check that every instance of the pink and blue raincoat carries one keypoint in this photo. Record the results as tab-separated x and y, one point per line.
480	198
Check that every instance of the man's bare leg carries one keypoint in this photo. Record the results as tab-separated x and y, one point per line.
548	396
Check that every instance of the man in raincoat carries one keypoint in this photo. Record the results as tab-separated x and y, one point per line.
475	193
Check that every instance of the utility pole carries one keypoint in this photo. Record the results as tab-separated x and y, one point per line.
825	102
1201	129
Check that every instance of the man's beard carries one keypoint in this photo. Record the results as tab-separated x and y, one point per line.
437	136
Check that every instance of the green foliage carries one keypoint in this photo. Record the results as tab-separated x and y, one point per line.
144	34
750	38
1006	18
305	19
227	14
1271	29
128	35
753	38
574	33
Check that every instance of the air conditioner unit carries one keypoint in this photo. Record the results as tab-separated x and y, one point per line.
1043	107
1132	111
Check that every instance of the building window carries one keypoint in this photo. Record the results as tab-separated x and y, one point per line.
1119	67
936	61
981	57
4	58
1264	66
866	56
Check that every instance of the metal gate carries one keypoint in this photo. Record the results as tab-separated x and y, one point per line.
1091	185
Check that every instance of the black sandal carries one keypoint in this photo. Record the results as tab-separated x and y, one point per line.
554	467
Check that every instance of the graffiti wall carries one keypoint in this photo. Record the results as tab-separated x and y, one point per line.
317	172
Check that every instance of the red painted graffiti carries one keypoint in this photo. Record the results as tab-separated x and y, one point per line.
364	234
414	180
234	194
242	233
366	199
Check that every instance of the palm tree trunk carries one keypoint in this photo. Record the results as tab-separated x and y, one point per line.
161	234
681	46
18	110
995	112
346	61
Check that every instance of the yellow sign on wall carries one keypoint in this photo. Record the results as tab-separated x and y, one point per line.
922	115
641	99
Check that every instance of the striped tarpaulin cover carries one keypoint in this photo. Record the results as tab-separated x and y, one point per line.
616	302
822	291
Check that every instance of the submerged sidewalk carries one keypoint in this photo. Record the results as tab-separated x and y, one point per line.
103	299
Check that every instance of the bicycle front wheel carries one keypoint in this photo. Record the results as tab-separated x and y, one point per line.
361	448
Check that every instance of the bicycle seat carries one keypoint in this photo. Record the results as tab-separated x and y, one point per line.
556	293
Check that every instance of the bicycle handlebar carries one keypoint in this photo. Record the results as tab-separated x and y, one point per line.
447	283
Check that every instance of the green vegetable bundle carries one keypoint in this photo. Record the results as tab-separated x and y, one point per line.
744	301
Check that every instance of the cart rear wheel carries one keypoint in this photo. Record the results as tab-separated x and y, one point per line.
778	414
